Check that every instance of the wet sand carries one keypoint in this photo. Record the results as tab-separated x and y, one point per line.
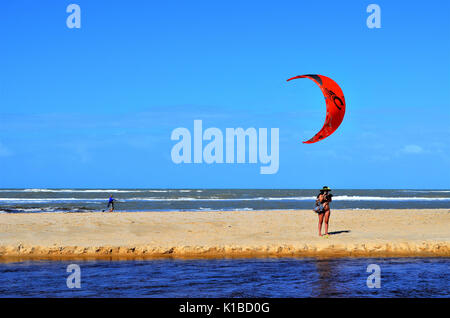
146	235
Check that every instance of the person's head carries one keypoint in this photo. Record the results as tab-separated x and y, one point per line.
111	196
325	189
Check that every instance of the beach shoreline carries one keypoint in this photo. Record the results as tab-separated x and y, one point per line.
223	234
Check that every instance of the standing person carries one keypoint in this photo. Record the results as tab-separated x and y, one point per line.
323	208
111	203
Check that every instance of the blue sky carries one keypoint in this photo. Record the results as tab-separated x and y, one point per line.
95	107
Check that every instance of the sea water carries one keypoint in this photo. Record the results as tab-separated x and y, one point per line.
86	200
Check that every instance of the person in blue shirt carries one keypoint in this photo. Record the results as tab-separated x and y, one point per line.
111	203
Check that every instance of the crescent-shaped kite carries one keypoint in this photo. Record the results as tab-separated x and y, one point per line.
335	102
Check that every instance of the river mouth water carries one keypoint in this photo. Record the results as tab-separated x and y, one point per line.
268	277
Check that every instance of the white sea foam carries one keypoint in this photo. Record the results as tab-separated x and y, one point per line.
159	199
37	200
369	198
308	198
79	190
208	199
426	191
83	190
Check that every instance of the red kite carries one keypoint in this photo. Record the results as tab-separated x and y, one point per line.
335	102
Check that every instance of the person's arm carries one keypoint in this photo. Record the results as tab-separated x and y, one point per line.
320	198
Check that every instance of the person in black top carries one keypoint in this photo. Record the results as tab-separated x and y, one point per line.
323	208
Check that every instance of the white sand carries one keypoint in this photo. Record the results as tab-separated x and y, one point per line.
359	233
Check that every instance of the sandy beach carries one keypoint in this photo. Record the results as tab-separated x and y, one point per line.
124	235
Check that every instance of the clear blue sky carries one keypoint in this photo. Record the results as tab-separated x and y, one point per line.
95	107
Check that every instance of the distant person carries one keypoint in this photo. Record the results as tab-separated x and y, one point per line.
322	208
111	203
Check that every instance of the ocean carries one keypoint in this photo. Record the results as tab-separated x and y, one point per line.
90	200
287	277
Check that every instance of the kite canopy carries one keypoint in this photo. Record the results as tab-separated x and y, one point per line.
335	102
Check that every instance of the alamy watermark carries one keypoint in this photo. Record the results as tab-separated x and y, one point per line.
74	19
374	279
374	20
213	152
74	279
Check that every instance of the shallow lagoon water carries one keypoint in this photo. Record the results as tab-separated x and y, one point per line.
272	277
